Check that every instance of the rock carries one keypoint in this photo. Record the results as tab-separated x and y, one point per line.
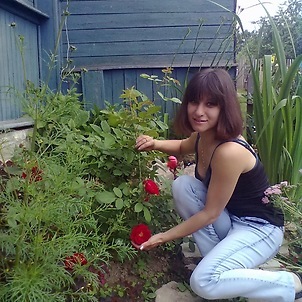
11	140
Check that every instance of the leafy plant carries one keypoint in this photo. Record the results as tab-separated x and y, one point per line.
75	194
285	196
277	111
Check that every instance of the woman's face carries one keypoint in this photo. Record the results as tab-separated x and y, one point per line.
203	114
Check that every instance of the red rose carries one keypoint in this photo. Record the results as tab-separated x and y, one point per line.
140	234
172	163
76	258
151	187
35	175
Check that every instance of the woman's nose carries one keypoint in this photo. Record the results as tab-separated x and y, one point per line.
200	108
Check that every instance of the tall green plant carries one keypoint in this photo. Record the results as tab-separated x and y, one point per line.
277	113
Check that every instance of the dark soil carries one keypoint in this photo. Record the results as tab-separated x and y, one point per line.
140	277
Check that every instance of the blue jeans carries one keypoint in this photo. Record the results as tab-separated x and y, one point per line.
232	248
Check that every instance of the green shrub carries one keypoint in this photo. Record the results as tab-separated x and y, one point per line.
77	191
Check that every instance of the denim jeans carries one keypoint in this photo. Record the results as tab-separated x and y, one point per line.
232	249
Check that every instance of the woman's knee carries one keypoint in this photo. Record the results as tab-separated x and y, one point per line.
189	195
203	287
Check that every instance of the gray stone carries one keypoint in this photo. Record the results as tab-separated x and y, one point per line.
10	140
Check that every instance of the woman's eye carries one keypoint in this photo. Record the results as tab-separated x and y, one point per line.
211	104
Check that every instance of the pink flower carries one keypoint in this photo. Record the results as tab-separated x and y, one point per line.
172	162
273	190
265	200
151	187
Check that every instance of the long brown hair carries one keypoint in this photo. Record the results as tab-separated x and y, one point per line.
215	84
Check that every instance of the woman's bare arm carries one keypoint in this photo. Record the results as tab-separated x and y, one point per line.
171	147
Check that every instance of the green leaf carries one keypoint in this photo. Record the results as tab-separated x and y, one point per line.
119	203
126	191
109	140
138	207
113	120
97	129
147	214
105	197
105	126
81	118
129	156
71	123
144	76
175	100
117	172
117	192
161	95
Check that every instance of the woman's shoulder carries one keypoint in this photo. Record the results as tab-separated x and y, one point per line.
230	149
234	153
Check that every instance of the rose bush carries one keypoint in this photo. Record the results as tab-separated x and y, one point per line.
78	187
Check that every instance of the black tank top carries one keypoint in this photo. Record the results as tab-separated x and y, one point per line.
246	200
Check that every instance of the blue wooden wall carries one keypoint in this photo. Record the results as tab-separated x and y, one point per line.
19	53
144	33
114	41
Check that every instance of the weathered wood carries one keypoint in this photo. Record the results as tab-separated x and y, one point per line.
156	61
103	35
116	40
24	9
155	6
117	21
118	33
18	45
95	93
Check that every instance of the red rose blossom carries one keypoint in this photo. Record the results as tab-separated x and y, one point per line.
140	234
151	187
35	175
172	163
76	258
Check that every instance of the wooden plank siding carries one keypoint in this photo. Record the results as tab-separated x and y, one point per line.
12	77
115	41
19	56
142	33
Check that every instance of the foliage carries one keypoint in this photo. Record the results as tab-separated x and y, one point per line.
288	22
78	190
277	97
44	221
276	112
286	197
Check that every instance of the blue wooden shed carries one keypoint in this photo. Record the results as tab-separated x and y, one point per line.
109	44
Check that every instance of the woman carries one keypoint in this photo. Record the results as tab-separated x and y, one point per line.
222	205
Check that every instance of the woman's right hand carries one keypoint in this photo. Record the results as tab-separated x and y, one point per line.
145	143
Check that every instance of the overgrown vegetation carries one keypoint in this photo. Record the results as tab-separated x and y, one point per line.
75	194
275	126
70	199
